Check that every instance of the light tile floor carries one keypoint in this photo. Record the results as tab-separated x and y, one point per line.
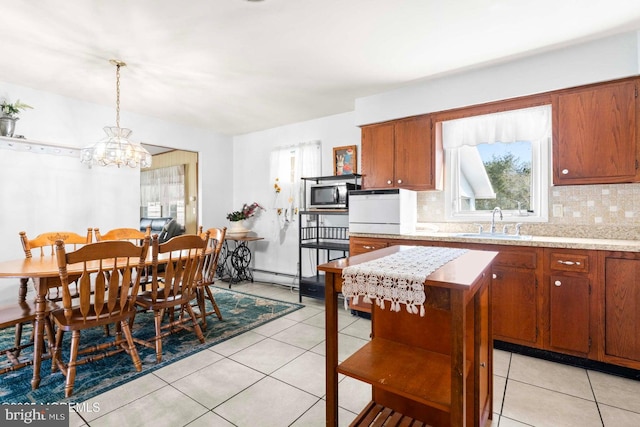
274	376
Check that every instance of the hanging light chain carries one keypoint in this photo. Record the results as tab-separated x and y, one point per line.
118	65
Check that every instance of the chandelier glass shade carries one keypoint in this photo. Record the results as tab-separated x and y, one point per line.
116	148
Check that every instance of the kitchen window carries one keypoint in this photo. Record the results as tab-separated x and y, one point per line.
498	160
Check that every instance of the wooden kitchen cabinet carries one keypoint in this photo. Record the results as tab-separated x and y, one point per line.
621	302
514	300
586	306
568	276
401	154
595	134
515	297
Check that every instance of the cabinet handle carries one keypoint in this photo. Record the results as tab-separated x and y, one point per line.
483	365
557	283
494	276
367	247
568	262
565	171
399	181
389	181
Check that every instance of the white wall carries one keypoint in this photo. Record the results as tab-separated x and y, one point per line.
279	252
595	61
41	192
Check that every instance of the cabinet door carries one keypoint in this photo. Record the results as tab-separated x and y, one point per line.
414	154
622	308
569	313
513	299
378	155
596	135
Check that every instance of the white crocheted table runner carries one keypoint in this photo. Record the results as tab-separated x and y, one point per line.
398	278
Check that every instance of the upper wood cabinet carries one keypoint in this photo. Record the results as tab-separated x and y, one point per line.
401	154
595	136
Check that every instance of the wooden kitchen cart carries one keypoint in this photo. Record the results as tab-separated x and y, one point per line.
436	369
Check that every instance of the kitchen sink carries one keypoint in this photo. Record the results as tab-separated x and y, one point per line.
498	236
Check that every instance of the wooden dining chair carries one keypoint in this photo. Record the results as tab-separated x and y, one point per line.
44	244
107	288
183	258
16	315
207	278
130	234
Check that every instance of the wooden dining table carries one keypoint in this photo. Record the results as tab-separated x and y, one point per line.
41	269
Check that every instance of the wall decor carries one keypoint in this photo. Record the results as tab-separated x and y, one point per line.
345	160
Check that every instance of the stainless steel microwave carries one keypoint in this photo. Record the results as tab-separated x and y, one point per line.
331	196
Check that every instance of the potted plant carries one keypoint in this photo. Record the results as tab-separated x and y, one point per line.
236	218
9	116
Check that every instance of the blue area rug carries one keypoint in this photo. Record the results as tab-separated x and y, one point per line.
240	312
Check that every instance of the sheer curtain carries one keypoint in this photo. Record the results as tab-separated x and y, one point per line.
527	124
163	187
288	165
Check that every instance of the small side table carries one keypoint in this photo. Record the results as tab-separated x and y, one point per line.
236	259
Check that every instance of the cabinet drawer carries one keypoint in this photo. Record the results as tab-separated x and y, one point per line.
562	261
520	259
361	246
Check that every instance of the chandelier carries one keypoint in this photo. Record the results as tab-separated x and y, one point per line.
116	148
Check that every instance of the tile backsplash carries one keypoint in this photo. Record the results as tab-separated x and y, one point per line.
610	211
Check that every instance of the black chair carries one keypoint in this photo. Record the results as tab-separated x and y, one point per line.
170	230
164	227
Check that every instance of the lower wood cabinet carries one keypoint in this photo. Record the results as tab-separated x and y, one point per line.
568	277
514	300
569	317
514	304
621	301
581	303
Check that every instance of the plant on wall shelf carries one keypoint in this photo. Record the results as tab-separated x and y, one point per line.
12	110
247	211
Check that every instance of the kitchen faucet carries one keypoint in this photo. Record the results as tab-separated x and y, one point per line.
493	218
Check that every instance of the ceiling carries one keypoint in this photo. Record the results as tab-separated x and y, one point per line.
238	66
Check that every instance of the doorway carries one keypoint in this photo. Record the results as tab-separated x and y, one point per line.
169	188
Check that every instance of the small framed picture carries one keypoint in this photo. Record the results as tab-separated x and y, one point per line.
345	160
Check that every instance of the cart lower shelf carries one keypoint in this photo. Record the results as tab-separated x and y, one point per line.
422	375
377	415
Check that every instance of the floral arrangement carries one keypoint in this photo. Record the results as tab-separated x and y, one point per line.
247	211
12	109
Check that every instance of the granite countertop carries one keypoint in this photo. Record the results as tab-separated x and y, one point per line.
533	241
